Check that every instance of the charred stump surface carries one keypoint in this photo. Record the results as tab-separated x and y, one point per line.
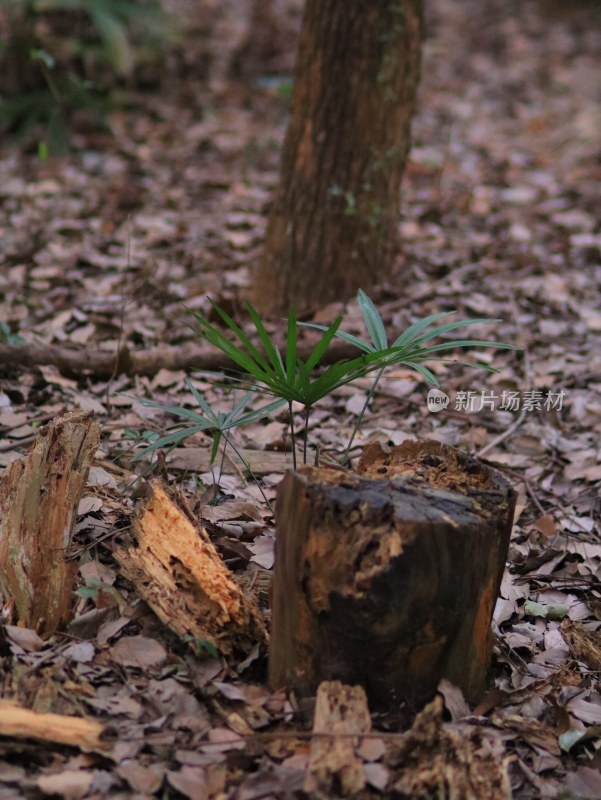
388	577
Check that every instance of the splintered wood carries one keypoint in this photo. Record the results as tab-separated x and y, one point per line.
39	495
178	572
81	732
334	766
388	577
457	762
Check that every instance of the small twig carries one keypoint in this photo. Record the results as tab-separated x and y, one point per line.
368	399
121	324
249	470
506	434
502	436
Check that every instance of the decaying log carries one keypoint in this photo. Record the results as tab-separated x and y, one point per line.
39	495
178	572
388	577
81	732
74	361
334	768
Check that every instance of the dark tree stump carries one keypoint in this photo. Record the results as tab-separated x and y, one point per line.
389	577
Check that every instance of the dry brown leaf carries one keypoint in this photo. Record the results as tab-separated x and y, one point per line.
138	651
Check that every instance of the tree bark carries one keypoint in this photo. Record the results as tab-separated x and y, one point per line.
333	226
388	578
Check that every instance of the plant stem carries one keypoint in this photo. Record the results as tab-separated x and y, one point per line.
293	438
221	463
307	412
359	419
248	468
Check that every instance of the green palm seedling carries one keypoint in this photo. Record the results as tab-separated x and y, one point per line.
287	375
217	423
410	348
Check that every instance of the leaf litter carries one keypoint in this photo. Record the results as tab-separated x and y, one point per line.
500	219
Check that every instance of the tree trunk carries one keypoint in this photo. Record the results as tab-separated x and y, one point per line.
333	226
388	578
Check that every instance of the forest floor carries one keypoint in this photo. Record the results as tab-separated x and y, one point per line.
501	219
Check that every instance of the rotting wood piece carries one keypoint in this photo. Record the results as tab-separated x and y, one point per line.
389	581
334	767
459	762
39	495
176	569
81	732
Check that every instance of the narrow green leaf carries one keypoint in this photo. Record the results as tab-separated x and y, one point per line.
373	320
272	351
255	354
259	413
418	327
426	374
177	411
362	344
439	330
425	351
170	439
238	407
323	344
291	346
478	365
215	447
200	400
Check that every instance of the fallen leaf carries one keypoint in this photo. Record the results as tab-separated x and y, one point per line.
71	784
189	781
138	651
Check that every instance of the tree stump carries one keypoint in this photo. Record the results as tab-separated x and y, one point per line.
388	577
39	495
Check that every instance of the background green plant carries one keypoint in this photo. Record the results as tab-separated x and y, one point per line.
216	423
62	57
